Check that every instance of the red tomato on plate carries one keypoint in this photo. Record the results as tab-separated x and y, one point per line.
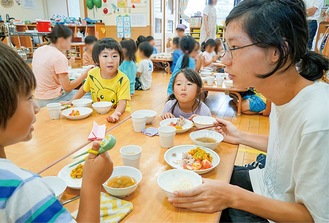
206	164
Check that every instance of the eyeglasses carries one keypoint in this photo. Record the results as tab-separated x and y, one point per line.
227	49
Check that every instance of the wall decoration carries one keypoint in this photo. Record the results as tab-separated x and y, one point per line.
29	4
122	4
123	26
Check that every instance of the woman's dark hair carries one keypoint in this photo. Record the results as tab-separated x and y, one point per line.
187	44
16	79
59	31
281	24
146	48
90	39
106	43
130	47
149	38
140	39
209	42
193	77
175	41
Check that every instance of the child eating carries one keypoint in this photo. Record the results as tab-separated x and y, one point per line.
24	196
87	58
209	54
145	67
106	82
186	99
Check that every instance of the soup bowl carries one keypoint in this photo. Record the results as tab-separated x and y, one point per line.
207	138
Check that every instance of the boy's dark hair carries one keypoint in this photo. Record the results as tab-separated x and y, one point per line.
192	76
139	40
187	44
16	79
175	41
59	31
106	43
130	47
281	24
146	48
90	39
149	38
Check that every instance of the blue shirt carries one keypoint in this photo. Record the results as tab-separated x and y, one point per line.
191	64
155	50
129	68
175	55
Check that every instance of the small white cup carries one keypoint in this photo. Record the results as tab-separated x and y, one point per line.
131	155
139	121
210	80
54	110
219	80
167	135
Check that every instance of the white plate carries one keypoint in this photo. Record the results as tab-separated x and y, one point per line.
84	113
179	150
65	172
187	126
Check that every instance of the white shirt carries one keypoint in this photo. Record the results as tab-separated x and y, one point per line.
145	67
314	3
208	57
297	160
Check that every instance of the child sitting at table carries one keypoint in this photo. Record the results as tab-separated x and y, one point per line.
186	99
105	82
209	53
128	65
176	54
139	40
87	58
24	195
151	41
145	67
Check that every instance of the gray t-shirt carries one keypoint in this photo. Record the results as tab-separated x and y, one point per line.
201	110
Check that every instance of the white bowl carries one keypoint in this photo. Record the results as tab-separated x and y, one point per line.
56	184
178	180
123	171
205	73
207	133
150	114
203	121
204	79
186	127
84	113
82	102
206	69
228	83
87	67
102	107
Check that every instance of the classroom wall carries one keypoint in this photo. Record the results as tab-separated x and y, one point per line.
21	13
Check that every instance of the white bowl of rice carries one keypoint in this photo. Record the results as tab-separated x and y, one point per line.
178	180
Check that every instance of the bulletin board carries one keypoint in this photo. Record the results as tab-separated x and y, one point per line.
123	26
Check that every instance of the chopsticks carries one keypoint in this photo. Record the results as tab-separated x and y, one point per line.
71	199
207	127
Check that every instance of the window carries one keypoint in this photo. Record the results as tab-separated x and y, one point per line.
170	28
158	25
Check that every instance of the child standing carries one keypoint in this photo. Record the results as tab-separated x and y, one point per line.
209	54
106	82
128	66
187	45
87	58
186	99
24	195
145	67
176	54
151	41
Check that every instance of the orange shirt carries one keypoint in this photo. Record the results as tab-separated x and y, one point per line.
87	59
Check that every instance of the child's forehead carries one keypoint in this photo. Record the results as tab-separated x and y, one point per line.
181	77
109	50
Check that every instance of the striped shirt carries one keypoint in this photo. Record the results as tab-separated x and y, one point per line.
25	198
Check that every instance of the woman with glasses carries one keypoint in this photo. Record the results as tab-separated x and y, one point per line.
266	48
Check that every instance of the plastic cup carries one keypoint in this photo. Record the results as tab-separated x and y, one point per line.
219	80
167	135
210	80
131	155
54	110
139	121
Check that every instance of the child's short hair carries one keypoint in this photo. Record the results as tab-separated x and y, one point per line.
90	40
106	43
16	79
130	45
149	38
146	48
140	39
175	41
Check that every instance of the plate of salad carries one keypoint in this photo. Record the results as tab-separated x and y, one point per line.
191	157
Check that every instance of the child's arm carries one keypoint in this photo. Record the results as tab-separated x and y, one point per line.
138	74
118	111
78	95
199	62
68	85
96	171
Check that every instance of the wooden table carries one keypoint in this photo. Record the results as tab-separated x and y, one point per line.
150	202
226	90
162	60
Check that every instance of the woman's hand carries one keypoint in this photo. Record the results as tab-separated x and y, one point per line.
209	197
114	117
167	115
97	168
228	130
207	32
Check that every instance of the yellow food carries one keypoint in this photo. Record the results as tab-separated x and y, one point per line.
121	182
178	127
76	173
200	154
75	113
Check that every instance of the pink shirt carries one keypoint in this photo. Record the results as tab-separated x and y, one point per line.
47	63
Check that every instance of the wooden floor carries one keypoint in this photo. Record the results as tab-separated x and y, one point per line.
219	104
